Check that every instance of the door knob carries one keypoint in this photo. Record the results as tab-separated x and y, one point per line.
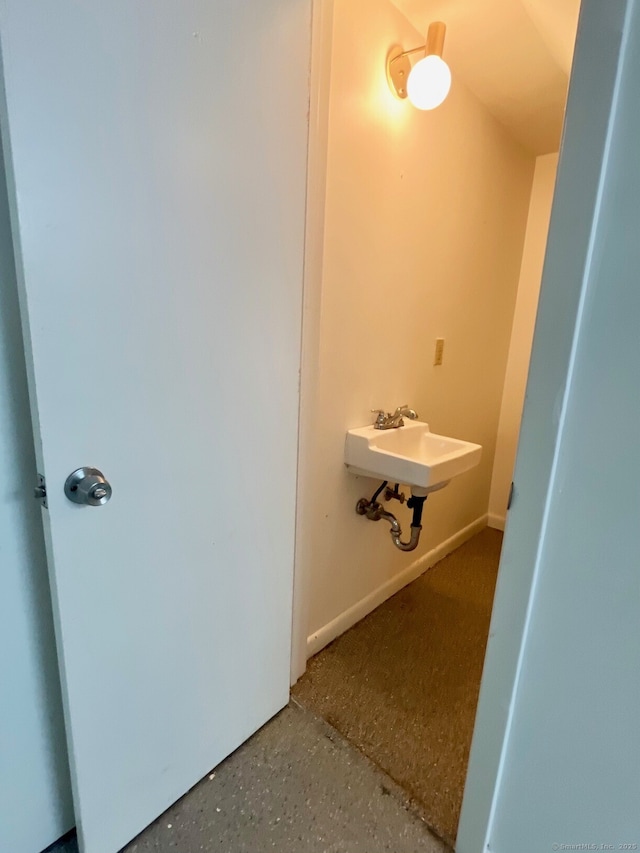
88	486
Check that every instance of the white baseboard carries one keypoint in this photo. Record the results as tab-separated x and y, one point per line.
354	614
496	521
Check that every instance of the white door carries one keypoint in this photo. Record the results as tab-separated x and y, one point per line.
157	153
555	757
35	800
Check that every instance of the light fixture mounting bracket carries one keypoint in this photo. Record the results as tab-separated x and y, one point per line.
398	68
398	65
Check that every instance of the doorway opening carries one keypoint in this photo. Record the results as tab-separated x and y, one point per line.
423	227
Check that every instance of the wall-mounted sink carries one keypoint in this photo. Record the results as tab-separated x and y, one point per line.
411	455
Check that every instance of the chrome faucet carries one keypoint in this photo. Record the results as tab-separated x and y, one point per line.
395	420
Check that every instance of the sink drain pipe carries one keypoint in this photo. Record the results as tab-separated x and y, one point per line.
374	511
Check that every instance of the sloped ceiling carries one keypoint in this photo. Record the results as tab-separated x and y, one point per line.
514	55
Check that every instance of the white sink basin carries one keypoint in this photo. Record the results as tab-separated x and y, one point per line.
411	455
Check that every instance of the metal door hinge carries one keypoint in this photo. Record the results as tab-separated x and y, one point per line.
40	491
510	501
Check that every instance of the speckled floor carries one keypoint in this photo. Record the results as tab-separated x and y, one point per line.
402	685
297	786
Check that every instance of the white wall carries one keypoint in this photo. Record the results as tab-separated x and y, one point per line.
34	775
424	226
524	319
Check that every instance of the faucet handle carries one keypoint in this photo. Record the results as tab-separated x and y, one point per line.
380	416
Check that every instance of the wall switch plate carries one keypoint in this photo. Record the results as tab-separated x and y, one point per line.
439	353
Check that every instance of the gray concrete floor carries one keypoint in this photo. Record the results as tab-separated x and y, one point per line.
297	786
402	685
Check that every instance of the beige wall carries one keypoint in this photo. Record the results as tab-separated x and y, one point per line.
522	336
423	233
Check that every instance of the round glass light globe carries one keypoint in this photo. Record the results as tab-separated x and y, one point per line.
429	83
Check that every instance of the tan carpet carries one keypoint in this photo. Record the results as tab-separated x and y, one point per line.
402	685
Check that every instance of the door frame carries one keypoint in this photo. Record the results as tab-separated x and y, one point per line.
319	90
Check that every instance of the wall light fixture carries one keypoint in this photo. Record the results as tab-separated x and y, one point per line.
427	83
